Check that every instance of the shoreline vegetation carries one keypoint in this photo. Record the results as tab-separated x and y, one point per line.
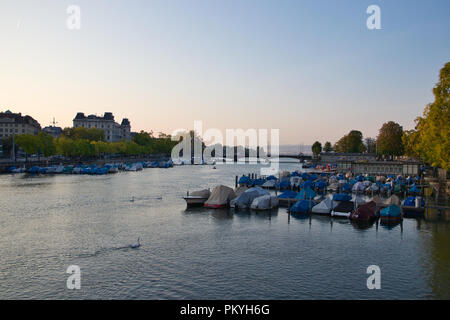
81	144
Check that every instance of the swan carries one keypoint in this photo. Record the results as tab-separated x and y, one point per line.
136	245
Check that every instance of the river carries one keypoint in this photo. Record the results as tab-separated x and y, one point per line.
50	222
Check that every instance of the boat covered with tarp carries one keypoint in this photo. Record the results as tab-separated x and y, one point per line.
343	209
365	212
302	206
392	200
413	207
220	197
240	190
324	207
342	197
265	202
391	214
246	198
306	194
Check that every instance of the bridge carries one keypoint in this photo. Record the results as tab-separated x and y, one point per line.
293	156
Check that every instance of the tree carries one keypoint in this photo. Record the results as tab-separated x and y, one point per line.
46	144
91	134
410	140
389	141
371	145
327	147
29	143
433	140
352	142
316	148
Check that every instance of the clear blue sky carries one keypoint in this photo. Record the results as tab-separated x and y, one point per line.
310	68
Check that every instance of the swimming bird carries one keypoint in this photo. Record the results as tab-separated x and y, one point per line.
136	245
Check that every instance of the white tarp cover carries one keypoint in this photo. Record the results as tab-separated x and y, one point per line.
265	202
358	187
269	183
246	198
220	195
324	207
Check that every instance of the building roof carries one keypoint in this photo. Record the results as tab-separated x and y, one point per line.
19	119
108	116
53	129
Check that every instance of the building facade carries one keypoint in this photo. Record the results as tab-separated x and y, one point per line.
114	132
407	168
55	132
15	123
332	157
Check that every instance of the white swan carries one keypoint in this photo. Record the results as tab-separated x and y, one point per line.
136	245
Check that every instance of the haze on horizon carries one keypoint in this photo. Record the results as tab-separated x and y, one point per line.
309	68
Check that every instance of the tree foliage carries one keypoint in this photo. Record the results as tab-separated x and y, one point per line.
432	140
389	140
316	148
327	147
352	143
91	134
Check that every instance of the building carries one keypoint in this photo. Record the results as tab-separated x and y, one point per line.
55	132
333	157
15	123
407	168
113	131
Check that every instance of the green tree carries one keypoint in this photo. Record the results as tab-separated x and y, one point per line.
316	148
28	142
46	144
410	140
352	142
433	141
389	141
91	134
65	146
327	147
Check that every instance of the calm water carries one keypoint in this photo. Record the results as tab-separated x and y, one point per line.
48	223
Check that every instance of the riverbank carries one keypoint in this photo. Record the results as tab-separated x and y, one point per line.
5	164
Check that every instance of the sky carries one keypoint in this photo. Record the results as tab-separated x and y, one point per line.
311	69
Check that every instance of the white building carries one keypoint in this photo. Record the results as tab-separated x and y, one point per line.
114	132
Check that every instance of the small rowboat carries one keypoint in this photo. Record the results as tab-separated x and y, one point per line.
195	200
